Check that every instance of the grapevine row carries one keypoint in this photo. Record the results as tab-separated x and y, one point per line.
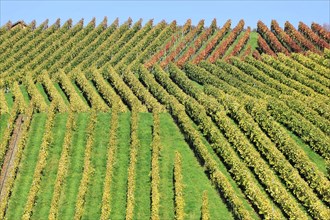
195	46
178	187
87	54
111	155
135	144
66	47
73	49
62	167
220	144
76	102
88	169
42	50
306	44
33	92
223	46
212	44
271	38
321	31
15	166
107	92
321	70
155	177
167	47
263	47
280	164
295	103
240	44
53	93
293	152
20	48
140	91
4	107
121	88
188	38
41	163
192	136
251	156
205	215
309	34
284	38
135	40
90	92
324	82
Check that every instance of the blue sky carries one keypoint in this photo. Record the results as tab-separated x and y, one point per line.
251	11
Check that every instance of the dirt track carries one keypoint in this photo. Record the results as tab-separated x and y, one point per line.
10	155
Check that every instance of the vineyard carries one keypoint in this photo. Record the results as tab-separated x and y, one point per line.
163	121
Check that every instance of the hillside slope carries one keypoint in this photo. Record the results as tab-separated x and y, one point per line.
164	121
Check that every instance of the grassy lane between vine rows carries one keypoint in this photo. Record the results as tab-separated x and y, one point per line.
3	124
119	181
314	157
172	140
94	194
231	47
26	168
9	99
143	167
166	163
25	94
253	41
70	188
45	194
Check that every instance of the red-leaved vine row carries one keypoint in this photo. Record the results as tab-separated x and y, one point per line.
155	58
240	44
247	52
321	31
197	45
271	38
284	38
297	36
189	37
309	34
220	51
212	44
256	55
264	47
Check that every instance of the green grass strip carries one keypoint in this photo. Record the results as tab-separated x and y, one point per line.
92	207
231	47
119	182
26	169
67	200
25	94
223	169
45	194
166	163
252	41
3	124
143	167
313	156
9	99
192	172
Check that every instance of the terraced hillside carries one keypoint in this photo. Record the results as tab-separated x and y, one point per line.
160	121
